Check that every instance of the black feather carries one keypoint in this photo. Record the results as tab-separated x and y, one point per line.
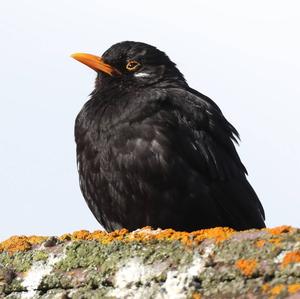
160	153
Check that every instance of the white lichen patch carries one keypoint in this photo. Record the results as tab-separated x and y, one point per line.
134	272
292	246
297	246
176	282
134	280
147	230
36	273
279	258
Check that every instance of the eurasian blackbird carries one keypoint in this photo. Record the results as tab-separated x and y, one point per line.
153	151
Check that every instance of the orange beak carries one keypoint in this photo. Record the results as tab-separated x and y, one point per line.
96	63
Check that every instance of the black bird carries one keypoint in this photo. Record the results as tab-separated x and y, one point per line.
153	151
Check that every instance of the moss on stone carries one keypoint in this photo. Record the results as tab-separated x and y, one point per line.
84	254
22	261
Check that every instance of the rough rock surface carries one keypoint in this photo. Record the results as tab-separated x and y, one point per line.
214	263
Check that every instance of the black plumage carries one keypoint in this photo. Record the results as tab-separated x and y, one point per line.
153	151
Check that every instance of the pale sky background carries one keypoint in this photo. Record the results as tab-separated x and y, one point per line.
245	55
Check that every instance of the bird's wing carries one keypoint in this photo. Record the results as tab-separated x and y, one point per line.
181	151
205	139
169	161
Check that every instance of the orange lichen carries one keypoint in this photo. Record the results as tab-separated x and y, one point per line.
265	288
20	243
280	230
117	235
246	266
65	237
294	288
97	235
196	296
219	234
260	243
81	235
291	257
276	290
275	241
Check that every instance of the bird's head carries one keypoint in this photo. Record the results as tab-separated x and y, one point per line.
131	64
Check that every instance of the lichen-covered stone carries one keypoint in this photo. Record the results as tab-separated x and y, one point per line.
214	263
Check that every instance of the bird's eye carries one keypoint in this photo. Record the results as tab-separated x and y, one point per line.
132	65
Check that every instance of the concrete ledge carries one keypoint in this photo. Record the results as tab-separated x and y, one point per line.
214	263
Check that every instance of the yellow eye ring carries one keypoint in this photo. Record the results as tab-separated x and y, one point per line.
132	65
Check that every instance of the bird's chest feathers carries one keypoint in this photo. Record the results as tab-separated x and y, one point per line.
121	127
109	115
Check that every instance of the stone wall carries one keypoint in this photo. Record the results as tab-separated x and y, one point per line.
214	263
